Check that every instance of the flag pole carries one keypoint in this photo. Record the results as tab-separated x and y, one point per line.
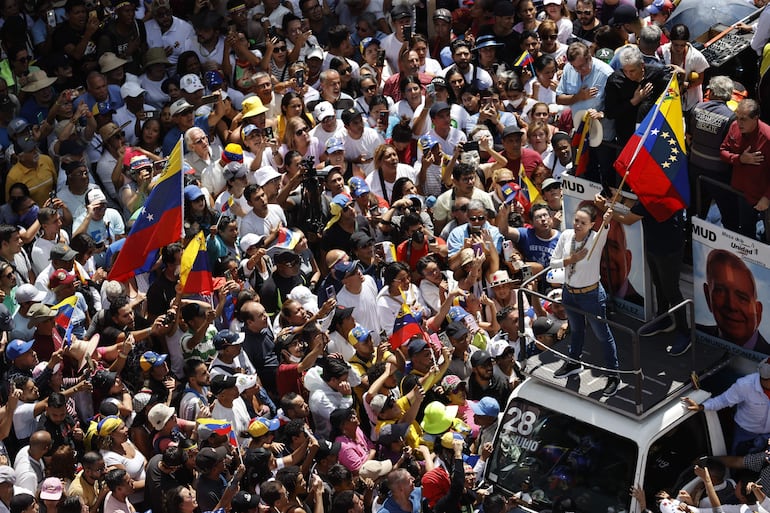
181	178
639	145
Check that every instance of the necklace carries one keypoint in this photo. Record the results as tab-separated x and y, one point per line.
575	247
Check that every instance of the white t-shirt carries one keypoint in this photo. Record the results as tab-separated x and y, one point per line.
238	416
402	170
175	37
365	304
366	145
252	223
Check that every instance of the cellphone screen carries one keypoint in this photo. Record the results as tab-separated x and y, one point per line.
331	292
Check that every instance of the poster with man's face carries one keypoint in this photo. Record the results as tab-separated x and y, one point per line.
622	264
731	283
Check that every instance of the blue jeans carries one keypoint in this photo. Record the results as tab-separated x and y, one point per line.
594	302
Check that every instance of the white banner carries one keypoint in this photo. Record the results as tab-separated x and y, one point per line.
731	283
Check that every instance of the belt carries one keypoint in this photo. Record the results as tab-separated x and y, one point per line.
583	290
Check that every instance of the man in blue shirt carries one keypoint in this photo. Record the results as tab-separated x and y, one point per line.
184	117
404	497
582	88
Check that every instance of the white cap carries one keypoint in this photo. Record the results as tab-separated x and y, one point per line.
323	110
130	89
249	240
191	83
265	174
96	196
315	52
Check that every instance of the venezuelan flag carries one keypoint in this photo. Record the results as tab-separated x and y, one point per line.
194	272
227	204
528	193
655	157
159	223
406	326
287	238
525	60
580	144
218	426
62	333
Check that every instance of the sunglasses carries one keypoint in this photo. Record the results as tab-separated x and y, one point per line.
584	13
371	88
279	49
476	218
552	37
503	182
291	263
301	131
9	275
464	208
345	71
349	206
119	135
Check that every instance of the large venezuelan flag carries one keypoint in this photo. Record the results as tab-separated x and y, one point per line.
655	157
160	222
194	272
62	333
406	326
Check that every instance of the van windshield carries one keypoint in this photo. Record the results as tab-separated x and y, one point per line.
548	455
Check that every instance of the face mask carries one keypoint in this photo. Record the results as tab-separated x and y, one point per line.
418	237
516	103
295	359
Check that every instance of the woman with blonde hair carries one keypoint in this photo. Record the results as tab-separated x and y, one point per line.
297	137
550	41
539	138
120	452
387	169
557	11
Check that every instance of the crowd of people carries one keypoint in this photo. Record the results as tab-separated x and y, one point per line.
374	181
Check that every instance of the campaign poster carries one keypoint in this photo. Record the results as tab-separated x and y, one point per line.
731	283
623	272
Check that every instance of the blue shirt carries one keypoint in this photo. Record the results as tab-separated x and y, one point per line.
457	237
536	249
390	506
113	96
571	83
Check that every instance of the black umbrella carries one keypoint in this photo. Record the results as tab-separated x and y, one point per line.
700	15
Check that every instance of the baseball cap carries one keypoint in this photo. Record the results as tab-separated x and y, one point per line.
605	54
416	345
17	126
265	174
361	240
62	251
348	115
103	379
60	277
192	192
400	12
486	406
323	110
180	106
7	474
96	197
342	270
51	489
6	321
28	292
225	338
375	469
544	326
151	359
131	89
438	107
390	433
512	129
327	448
208	457
190	83
367	42
261	426
334	144
439	82
443	14
456	330
359	335
450	383
245	381
549	183
159	415
244	501
220	382
340	314
427	142
624	13
249	240
17	348
480	358
234	170
358	187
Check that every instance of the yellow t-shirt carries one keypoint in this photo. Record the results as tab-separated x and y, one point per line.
413	434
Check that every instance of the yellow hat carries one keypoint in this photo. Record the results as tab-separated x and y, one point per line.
253	107
108	425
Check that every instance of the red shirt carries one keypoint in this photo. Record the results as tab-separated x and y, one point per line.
289	379
416	253
752	180
530	159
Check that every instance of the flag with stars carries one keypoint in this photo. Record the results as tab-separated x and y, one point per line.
655	157
158	224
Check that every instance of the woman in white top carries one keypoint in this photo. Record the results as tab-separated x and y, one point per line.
583	291
297	137
398	289
411	94
687	60
542	87
387	169
550	41
558	12
120	452
430	66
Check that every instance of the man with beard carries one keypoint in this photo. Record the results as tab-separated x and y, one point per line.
461	55
208	42
195	403
502	30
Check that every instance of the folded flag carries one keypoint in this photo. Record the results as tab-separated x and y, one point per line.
194	273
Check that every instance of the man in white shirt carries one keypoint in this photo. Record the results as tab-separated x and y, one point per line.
461	55
230	359
29	465
401	16
164	30
264	217
133	109
360	140
229	406
359	291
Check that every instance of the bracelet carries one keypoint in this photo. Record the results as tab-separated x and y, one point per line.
122	355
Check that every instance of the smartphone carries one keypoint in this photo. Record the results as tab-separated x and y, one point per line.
209	99
380	58
470	146
228	275
331	292
300	77
379	249
147	114
268	132
52	195
526	272
507	250
231	28
407	33
477	249
430	89
373	211
50	18
272	32
445	340
384	115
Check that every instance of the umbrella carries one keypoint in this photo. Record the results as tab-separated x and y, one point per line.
700	15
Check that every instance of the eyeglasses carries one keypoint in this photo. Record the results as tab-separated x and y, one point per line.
301	131
475	219
371	88
464	208
279	49
345	71
552	37
584	13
